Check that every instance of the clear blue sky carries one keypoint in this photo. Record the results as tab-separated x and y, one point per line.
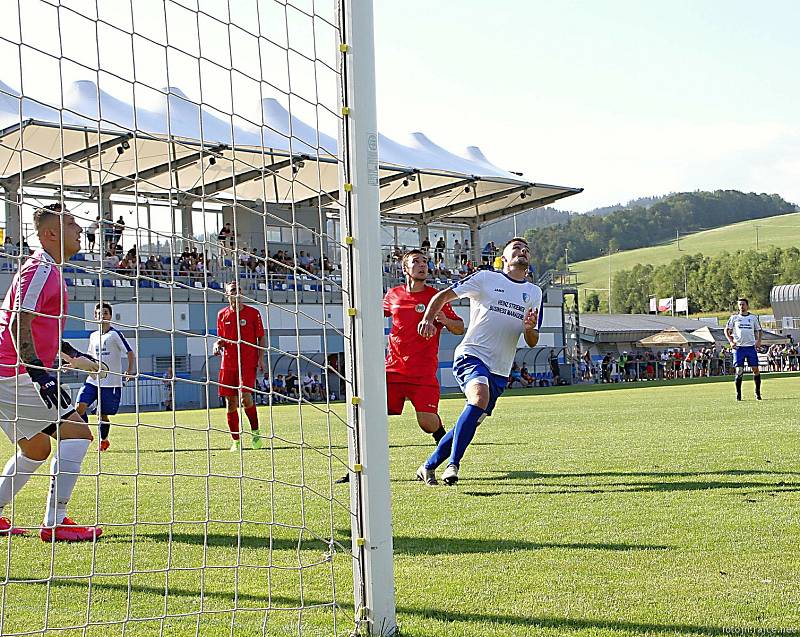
624	98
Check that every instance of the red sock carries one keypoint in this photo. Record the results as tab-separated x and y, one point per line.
233	424
252	415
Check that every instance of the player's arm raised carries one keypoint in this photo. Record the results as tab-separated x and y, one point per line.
450	320
427	326
531	325
82	361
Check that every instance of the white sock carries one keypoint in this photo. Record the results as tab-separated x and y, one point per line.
16	473
64	469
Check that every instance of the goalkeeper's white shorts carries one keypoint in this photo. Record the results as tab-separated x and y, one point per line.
23	413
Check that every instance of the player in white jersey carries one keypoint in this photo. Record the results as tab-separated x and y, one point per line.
108	345
503	306
34	407
743	332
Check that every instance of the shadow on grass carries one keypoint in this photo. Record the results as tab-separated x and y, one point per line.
450	618
536	475
403	545
656	487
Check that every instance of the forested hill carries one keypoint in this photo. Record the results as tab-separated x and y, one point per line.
500	231
588	237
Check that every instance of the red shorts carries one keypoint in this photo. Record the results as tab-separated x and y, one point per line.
425	398
230	384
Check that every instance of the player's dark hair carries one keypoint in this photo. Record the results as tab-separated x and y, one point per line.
742	298
45	213
510	241
105	306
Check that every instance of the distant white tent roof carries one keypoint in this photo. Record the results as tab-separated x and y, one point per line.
167	145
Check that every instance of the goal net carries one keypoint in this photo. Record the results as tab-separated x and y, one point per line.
211	152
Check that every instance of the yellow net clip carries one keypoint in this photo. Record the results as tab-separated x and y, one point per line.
348	187
355	400
344	48
360	541
345	110
358	468
348	240
351	311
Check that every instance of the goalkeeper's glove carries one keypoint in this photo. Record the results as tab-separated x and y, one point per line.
47	386
84	362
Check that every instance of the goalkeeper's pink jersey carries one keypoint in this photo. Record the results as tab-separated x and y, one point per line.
37	287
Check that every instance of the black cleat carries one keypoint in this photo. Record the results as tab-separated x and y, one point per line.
758	396
738	396
343	480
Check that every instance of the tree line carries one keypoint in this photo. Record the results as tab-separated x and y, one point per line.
711	283
587	237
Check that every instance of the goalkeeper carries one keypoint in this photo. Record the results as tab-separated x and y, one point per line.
34	406
108	345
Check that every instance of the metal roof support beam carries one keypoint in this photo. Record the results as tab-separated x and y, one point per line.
31	174
397	202
446	211
230	182
523	205
118	185
333	195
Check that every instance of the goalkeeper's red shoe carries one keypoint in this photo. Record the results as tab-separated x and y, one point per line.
7	529
104	445
68	531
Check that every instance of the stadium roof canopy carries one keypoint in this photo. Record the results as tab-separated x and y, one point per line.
168	147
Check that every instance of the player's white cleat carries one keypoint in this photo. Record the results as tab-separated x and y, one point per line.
450	475
428	476
236	447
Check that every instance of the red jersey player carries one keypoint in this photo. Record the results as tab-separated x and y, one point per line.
241	343
411	360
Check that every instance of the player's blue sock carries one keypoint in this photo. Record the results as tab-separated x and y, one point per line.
463	432
465	429
442	450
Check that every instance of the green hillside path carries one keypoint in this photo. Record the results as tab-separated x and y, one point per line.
782	231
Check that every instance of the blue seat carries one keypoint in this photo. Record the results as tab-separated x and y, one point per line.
144	283
214	285
79	257
108	283
69	282
228	263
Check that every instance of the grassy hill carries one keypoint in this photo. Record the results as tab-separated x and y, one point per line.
782	231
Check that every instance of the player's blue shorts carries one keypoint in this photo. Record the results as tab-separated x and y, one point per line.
745	354
467	368
109	398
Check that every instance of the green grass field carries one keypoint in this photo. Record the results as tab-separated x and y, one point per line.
648	510
782	231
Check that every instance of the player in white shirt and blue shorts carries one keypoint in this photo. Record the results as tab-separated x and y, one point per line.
108	345
743	332
503	306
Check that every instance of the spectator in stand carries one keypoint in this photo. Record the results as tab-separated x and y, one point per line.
515	376
126	267
458	252
554	368
526	375
8	247
317	389
292	390
91	234
425	246
224	234
279	387
119	229
110	262
308	385
466	255
441	246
